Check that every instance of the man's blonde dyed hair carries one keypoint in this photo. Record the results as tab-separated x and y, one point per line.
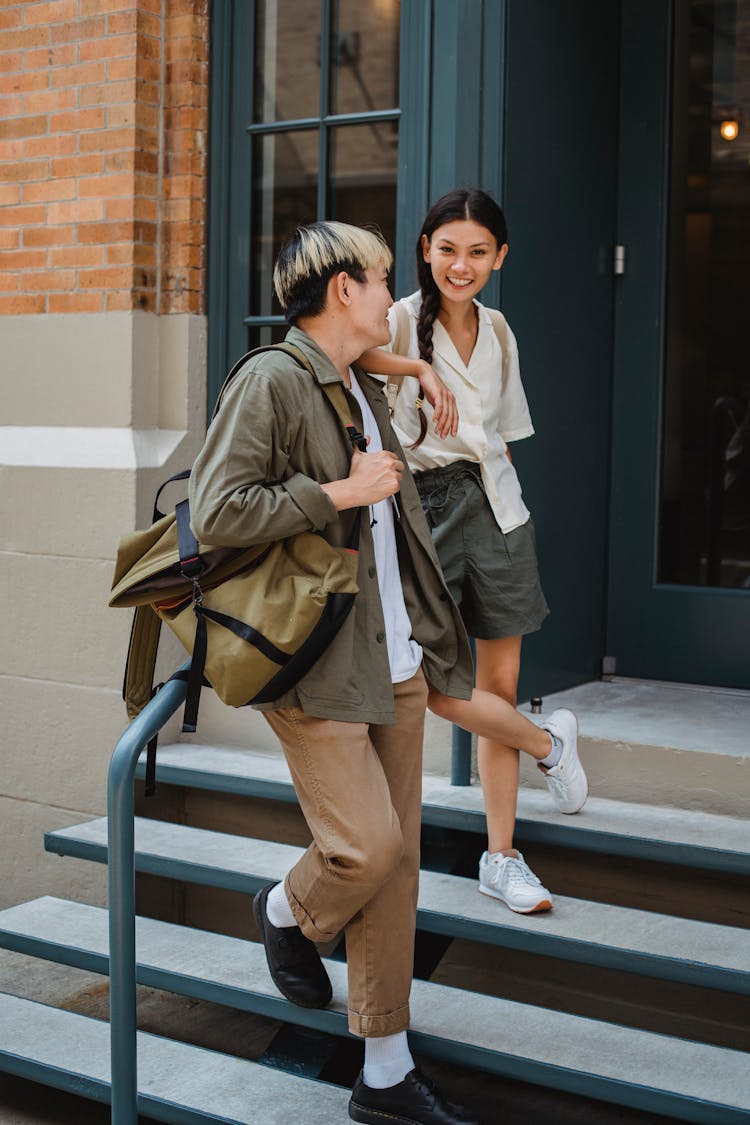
318	251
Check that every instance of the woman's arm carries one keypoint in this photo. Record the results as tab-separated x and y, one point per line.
379	361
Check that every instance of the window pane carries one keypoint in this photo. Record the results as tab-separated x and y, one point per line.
259	337
705	502
287	60
362	176
284	195
364	55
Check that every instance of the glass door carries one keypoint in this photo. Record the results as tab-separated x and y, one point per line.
704	516
679	606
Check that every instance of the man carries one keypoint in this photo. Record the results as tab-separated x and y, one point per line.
275	463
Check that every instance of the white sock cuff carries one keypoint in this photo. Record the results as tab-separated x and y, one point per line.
278	910
388	1060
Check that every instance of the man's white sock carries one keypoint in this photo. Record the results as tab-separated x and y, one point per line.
387	1060
278	910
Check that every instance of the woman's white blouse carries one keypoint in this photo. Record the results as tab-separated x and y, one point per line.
492	410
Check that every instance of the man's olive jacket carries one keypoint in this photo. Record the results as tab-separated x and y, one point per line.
273	442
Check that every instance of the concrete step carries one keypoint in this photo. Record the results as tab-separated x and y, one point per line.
637	941
681	745
700	839
176	1082
685	745
656	1073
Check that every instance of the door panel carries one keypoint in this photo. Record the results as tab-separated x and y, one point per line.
557	284
669	617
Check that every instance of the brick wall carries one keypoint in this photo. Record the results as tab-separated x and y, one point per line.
103	123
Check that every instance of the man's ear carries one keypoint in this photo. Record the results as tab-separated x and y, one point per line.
341	282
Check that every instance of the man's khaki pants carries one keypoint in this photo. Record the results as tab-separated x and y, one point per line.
360	789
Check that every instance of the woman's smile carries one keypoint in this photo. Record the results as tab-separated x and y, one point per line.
462	255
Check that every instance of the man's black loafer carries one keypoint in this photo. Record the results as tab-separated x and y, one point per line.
293	961
415	1101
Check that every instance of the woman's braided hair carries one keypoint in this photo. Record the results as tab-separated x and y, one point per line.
463	203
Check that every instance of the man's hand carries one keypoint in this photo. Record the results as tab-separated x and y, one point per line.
372	477
445	411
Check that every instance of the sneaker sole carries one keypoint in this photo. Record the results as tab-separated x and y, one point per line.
538	908
260	918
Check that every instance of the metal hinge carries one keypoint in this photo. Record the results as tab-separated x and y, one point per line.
618	261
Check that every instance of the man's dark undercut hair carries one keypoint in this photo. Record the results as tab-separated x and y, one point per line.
316	253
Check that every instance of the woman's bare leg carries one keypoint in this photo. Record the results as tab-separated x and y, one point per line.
491	717
497	667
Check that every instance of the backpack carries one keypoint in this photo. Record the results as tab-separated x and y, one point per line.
254	619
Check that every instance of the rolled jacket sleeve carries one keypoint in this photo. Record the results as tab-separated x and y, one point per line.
243	489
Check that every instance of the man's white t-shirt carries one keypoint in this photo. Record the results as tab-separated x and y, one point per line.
404	653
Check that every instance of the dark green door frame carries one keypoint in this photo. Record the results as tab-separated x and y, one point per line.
231	30
560	194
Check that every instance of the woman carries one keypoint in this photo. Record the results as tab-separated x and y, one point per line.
471	496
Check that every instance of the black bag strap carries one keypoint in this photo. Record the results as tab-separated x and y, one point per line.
157	515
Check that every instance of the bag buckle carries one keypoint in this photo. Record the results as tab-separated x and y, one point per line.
356	438
192	567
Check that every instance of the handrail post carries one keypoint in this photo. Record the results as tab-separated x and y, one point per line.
121	890
460	756
461	745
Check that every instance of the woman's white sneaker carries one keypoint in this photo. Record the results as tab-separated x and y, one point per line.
513	882
566	781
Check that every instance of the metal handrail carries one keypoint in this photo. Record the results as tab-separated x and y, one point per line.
121	883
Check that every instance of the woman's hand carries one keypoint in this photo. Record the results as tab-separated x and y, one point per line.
445	411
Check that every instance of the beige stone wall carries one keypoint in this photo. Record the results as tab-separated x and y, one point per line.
98	409
103	131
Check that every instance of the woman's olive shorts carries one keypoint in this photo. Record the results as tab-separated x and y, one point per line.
492	577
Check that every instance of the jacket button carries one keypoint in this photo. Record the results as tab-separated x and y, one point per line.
380	638
372	572
443	597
